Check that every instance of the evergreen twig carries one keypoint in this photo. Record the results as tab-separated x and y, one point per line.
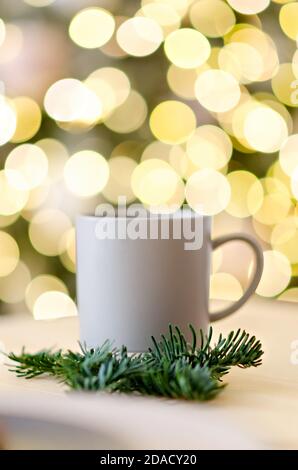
172	367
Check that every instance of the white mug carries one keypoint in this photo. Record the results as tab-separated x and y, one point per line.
131	287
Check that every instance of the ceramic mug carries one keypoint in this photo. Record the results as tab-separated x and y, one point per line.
130	287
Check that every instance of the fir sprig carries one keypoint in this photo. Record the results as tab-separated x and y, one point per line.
172	367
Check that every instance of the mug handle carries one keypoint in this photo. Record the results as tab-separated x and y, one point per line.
255	279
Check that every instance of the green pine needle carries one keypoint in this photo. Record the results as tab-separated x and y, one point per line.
172	367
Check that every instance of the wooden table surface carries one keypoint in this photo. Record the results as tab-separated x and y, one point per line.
258	409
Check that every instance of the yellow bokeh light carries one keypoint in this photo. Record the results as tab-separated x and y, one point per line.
13	199
224	286
86	173
164	14
172	122
28	117
119	184
208	191
13	286
39	3
276	202
9	254
276	274
41	284
130	116
92	27
37	196
246	194
241	60
8	120
116	79
187	48
140	36
260	42
284	85
30	163
70	100
57	156
265	130
284	238
180	6
217	90
53	304
250	7
182	81
288	155
154	182
209	147
157	149
213	18
288	18
46	230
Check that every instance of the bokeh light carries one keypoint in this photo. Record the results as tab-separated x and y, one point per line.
46	230
187	48
86	173
13	286
13	197
208	192
209	147
213	18
54	304
249	7
30	165
41	284
217	90
9	254
92	27
154	182
28	118
119	184
272	285
288	18
140	36
130	116
172	122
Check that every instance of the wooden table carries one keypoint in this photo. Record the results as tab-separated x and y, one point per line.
259	408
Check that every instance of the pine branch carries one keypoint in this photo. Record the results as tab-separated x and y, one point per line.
171	368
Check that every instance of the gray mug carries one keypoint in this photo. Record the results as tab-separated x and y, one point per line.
131	287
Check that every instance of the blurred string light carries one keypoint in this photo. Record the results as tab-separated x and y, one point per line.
39	3
14	285
92	27
140	36
9	254
187	48
46	230
28	118
41	284
27	166
86	173
172	122
54	304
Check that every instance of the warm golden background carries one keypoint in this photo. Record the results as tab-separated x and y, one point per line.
157	100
